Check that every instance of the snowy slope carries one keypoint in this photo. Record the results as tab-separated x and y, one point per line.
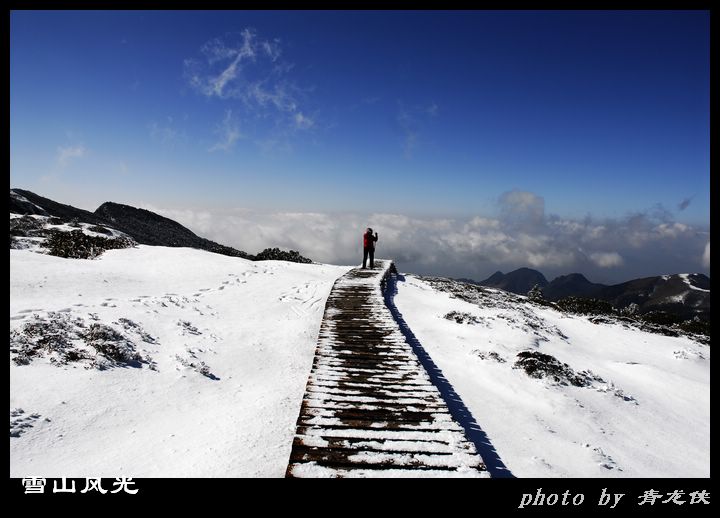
644	413
253	324
226	345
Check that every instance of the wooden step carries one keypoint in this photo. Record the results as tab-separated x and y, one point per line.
370	408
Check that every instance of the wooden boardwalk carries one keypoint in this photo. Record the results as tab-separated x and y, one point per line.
370	409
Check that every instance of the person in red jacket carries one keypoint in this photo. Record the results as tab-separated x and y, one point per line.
369	247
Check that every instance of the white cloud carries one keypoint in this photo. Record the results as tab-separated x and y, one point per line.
671	229
66	154
706	256
217	85
472	247
213	80
229	132
199	221
522	208
478	222
606	259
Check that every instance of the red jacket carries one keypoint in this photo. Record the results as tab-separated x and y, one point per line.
369	240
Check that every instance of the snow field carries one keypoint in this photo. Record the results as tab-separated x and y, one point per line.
254	324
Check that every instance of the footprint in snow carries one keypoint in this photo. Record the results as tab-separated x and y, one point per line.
542	461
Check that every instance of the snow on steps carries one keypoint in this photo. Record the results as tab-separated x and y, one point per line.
370	409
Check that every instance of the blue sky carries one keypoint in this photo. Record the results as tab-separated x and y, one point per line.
600	115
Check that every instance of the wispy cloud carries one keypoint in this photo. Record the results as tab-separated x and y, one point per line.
302	121
411	120
164	132
273	145
408	127
609	250
215	74
249	71
66	154
272	49
229	133
606	259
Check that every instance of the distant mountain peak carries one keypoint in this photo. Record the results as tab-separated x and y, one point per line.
574	284
494	278
683	294
518	281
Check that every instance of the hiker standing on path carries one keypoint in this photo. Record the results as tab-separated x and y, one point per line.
369	247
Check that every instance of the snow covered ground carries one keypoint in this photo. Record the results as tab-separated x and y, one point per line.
225	347
644	413
226	344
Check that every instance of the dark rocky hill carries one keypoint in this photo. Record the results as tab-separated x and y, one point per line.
47	207
573	285
681	294
148	228
519	281
143	226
